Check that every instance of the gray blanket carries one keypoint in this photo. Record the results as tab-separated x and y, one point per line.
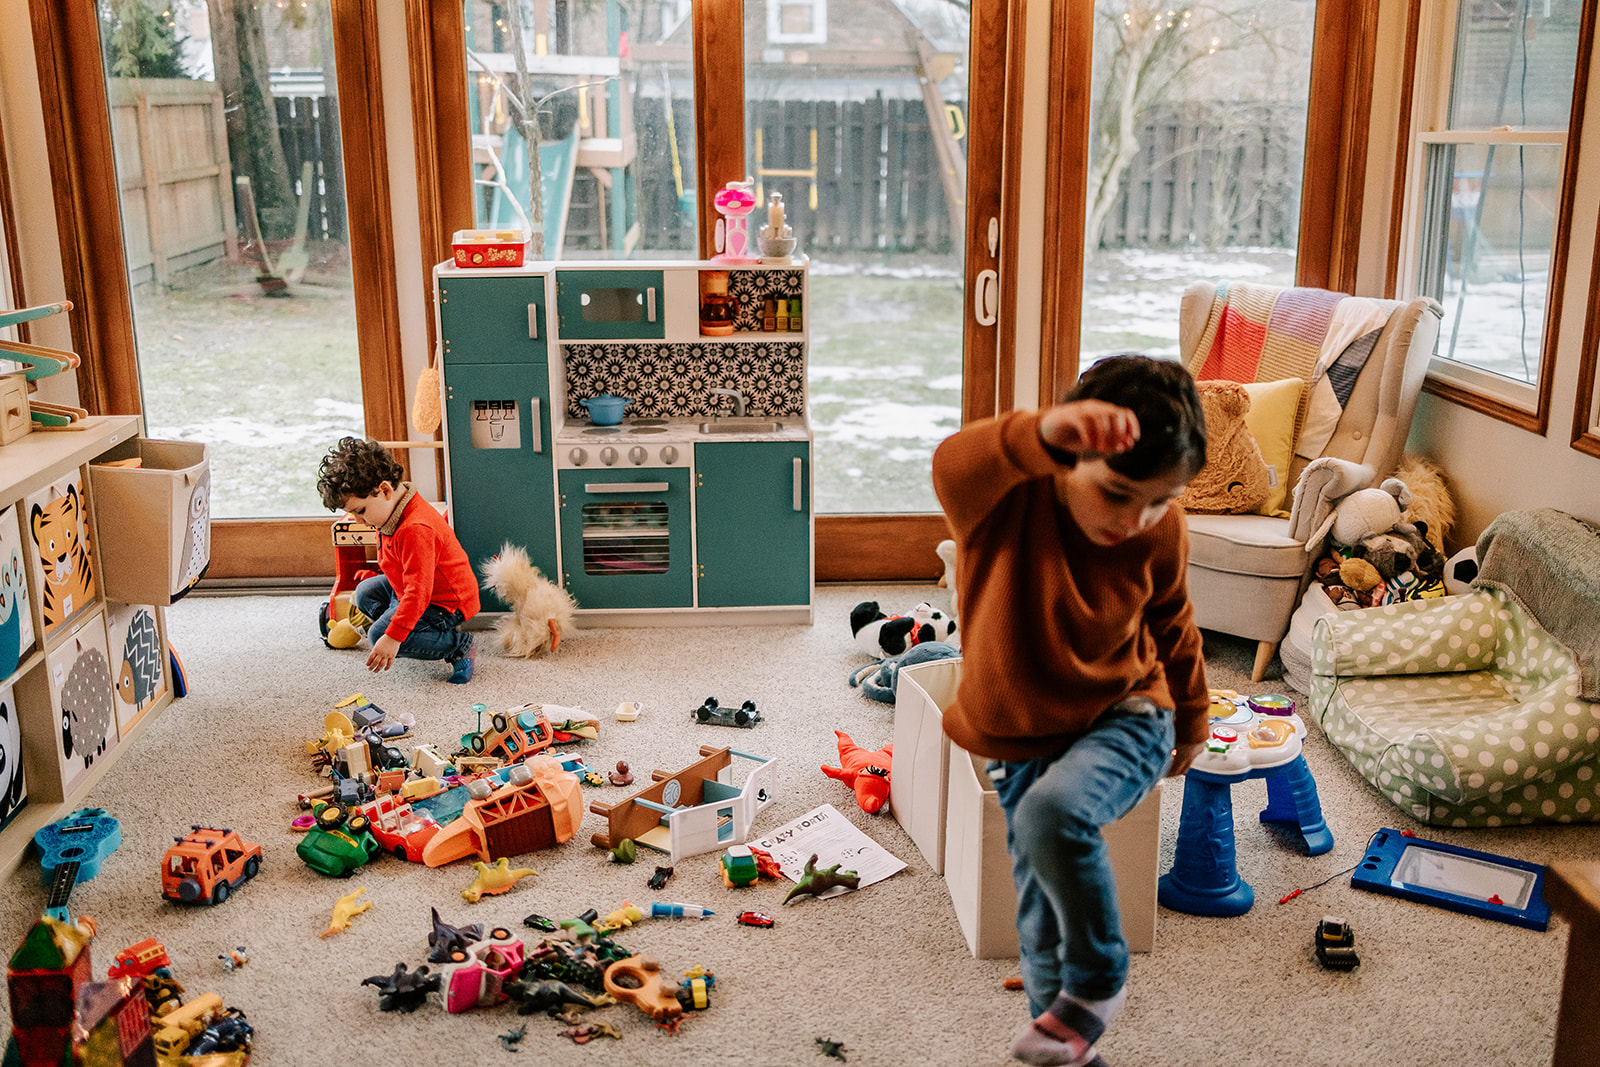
1549	562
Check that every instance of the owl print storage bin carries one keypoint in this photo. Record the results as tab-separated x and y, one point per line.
61	556
153	513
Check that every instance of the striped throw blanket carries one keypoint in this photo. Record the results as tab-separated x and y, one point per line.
1264	333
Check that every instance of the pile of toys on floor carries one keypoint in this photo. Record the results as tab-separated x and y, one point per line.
503	793
137	1017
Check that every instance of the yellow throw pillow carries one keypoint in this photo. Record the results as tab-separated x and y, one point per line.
1271	418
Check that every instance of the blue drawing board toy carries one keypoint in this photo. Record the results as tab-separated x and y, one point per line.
1460	879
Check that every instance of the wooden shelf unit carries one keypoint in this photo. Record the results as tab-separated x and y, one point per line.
27	465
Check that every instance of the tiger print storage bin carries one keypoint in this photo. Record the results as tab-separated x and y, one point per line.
153	515
61	559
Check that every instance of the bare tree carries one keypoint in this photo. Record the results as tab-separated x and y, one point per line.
1149	52
239	56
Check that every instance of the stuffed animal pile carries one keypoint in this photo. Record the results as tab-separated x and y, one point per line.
1373	557
880	635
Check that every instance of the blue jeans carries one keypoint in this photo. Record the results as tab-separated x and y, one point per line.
1068	926
435	636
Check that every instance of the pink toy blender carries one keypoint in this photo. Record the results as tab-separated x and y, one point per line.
734	202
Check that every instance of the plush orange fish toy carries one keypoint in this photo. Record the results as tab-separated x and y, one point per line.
865	772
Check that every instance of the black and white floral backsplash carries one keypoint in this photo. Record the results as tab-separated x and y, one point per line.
675	380
753	288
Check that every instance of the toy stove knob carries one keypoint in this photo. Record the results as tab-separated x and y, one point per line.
637	456
578	456
669	455
608	455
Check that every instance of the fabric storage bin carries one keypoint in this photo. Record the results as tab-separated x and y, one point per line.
61	558
977	867
13	783
69	702
16	613
917	788
154	519
134	655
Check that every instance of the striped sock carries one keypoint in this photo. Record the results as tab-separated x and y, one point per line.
1064	1036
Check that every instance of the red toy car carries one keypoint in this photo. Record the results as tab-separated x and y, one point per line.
399	828
755	918
207	864
139	960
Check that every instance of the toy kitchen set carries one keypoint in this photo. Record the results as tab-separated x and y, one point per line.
640	428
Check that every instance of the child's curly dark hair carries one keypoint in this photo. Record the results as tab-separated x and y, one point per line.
1162	394
355	468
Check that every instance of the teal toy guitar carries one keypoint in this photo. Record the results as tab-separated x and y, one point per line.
71	850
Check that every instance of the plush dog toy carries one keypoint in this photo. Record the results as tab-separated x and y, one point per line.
1235	478
541	611
880	635
865	772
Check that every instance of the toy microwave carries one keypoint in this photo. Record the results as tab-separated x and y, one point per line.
489	248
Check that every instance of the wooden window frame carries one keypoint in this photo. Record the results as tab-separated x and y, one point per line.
78	130
13	296
1585	421
1343	60
890	547
1437	69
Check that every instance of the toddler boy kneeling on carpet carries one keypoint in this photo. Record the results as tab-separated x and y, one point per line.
427	589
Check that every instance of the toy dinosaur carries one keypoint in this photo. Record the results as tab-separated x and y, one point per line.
547	994
493	880
625	852
444	939
816	883
582	1035
865	772
512	1038
345	909
403	990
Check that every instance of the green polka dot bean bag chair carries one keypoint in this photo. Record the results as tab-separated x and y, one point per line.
1463	711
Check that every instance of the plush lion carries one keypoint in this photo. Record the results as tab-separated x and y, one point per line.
1235	477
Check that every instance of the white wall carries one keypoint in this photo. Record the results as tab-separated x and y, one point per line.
1492	466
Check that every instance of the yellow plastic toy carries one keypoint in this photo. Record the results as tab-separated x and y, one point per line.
626	915
492	880
344	910
337	732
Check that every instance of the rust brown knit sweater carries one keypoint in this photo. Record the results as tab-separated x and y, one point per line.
1054	628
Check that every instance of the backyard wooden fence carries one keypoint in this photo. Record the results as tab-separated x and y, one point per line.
173	173
308	127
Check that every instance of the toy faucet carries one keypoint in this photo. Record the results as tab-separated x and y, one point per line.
734	202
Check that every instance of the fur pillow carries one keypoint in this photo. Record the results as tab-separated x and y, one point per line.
1235	477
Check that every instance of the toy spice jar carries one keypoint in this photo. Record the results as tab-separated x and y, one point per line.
718	307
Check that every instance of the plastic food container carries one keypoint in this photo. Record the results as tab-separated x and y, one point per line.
489	248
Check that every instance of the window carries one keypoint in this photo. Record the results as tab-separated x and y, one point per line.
1586	412
1488	189
797	21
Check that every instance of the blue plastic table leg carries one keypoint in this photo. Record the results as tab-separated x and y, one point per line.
1204	879
1292	798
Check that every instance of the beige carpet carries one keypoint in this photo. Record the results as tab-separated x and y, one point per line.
884	971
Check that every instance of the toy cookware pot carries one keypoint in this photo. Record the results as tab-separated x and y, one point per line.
605	409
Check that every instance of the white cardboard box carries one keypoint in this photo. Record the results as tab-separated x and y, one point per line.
918	786
977	867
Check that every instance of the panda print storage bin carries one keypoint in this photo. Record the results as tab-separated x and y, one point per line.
133	649
13	784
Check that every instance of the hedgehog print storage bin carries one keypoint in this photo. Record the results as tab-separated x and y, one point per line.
133	654
153	512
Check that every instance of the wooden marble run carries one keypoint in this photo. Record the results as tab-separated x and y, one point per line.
696	810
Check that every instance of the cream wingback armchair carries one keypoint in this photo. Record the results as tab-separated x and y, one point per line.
1345	372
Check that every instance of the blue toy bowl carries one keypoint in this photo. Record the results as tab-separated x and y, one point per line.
605	409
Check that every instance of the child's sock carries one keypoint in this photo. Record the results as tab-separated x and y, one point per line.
463	665
1065	1034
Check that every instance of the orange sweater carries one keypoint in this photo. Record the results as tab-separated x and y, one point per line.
1054	628
419	554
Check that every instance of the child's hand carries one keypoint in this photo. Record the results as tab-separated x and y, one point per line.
1183	756
1086	427
383	653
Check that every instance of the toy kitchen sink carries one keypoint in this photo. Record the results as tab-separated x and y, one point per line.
697	505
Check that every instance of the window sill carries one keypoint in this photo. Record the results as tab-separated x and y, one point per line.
1521	405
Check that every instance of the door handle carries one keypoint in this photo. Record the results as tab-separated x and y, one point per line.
625	487
535	422
650	304
533	322
986	297
797	468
